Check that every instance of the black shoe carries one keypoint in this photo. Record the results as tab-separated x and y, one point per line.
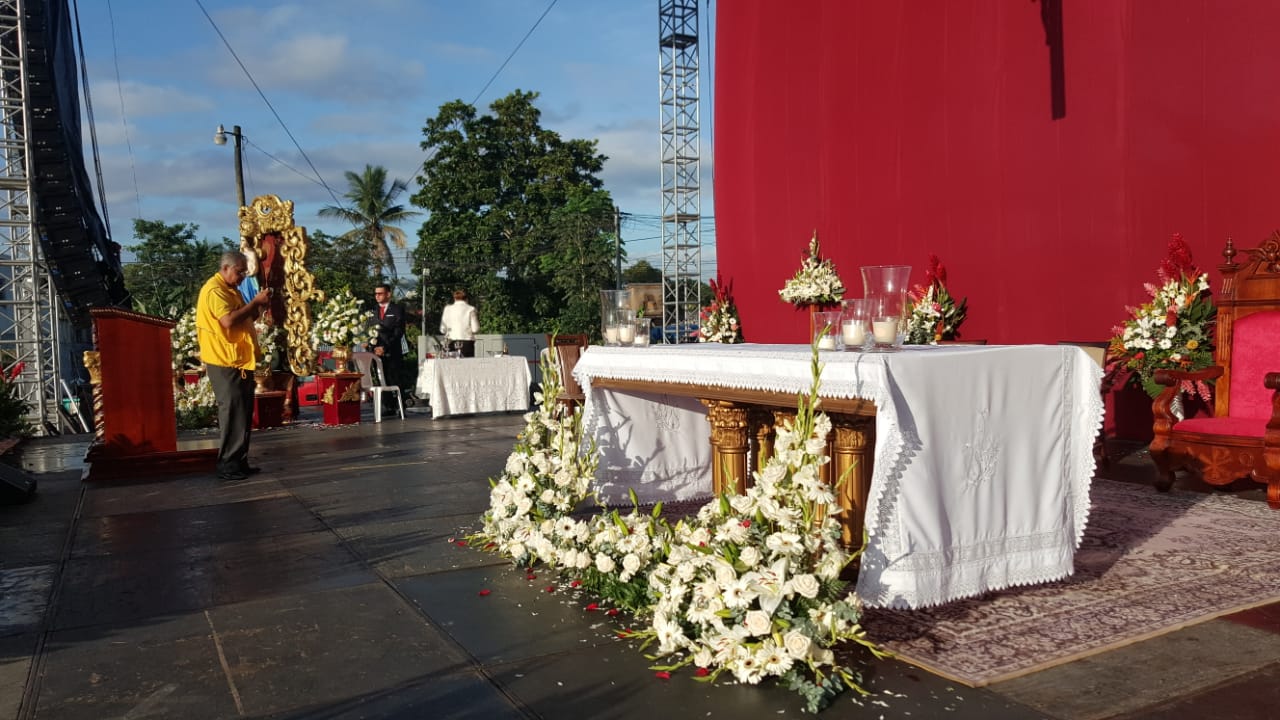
250	470
237	475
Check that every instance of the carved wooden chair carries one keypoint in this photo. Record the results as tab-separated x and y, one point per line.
1242	437
565	351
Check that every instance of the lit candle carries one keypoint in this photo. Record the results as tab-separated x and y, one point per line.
611	335
642	338
827	342
854	334
626	334
885	331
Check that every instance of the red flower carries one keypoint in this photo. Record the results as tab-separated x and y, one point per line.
530	576
592	606
551	588
611	611
482	593
575	583
662	675
746	523
16	370
701	672
460	543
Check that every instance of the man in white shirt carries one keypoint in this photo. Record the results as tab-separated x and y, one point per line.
459	324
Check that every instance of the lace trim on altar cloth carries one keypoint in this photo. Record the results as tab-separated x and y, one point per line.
897	571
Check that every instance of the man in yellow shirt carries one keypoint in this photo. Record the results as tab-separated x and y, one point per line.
228	348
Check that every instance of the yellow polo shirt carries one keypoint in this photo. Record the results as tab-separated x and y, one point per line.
229	347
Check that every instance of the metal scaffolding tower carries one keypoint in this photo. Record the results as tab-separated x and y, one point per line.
681	198
28	300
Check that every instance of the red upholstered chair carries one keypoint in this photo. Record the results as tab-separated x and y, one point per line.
1242	437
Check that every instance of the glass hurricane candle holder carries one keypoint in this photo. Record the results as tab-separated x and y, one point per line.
642	332
885	290
617	319
854	328
826	330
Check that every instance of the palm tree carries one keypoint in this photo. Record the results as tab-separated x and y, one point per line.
374	214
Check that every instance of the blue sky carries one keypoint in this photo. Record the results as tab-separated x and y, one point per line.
353	83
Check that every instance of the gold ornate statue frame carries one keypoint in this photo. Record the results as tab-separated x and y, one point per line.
267	229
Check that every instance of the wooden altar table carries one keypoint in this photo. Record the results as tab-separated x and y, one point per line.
972	463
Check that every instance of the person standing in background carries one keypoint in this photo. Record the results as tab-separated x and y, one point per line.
389	344
459	323
228	348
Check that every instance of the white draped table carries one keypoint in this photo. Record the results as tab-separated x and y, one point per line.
459	386
983	454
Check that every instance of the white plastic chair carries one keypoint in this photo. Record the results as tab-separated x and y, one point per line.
365	362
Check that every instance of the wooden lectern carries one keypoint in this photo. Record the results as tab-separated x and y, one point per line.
136	432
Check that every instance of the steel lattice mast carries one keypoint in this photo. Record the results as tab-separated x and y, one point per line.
680	137
28	300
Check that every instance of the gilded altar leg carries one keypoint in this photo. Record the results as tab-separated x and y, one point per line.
852	457
762	428
728	446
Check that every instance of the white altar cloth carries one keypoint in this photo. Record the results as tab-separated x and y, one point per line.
983	456
475	385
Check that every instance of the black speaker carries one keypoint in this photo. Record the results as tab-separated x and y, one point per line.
16	487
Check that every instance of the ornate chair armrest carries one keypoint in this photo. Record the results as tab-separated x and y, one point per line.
1162	407
1173	378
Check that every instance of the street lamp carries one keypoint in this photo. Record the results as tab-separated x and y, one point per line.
220	138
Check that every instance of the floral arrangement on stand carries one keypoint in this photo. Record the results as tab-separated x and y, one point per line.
816	282
934	315
186	346
196	405
719	320
14	408
1174	330
748	586
340	322
268	339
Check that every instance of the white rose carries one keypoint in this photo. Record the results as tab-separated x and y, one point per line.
750	556
631	564
797	644
806	585
604	563
758	623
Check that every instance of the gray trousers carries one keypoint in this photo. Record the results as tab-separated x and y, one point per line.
234	390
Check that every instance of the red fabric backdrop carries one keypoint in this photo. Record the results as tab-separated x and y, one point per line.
896	129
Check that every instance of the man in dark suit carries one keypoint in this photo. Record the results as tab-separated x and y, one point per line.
388	345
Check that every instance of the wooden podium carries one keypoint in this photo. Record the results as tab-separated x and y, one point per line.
136	432
340	397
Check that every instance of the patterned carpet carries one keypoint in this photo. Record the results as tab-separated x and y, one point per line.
1149	564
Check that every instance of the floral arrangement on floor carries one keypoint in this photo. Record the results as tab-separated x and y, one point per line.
340	321
934	315
196	405
186	346
749	586
1174	330
816	282
719	320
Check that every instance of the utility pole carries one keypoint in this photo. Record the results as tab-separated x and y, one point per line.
617	244
220	138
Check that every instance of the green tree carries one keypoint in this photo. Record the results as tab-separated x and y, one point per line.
374	214
517	216
642	272
170	267
338	262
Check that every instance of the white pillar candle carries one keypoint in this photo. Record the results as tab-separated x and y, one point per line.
611	335
827	342
626	334
854	333
885	331
642	339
